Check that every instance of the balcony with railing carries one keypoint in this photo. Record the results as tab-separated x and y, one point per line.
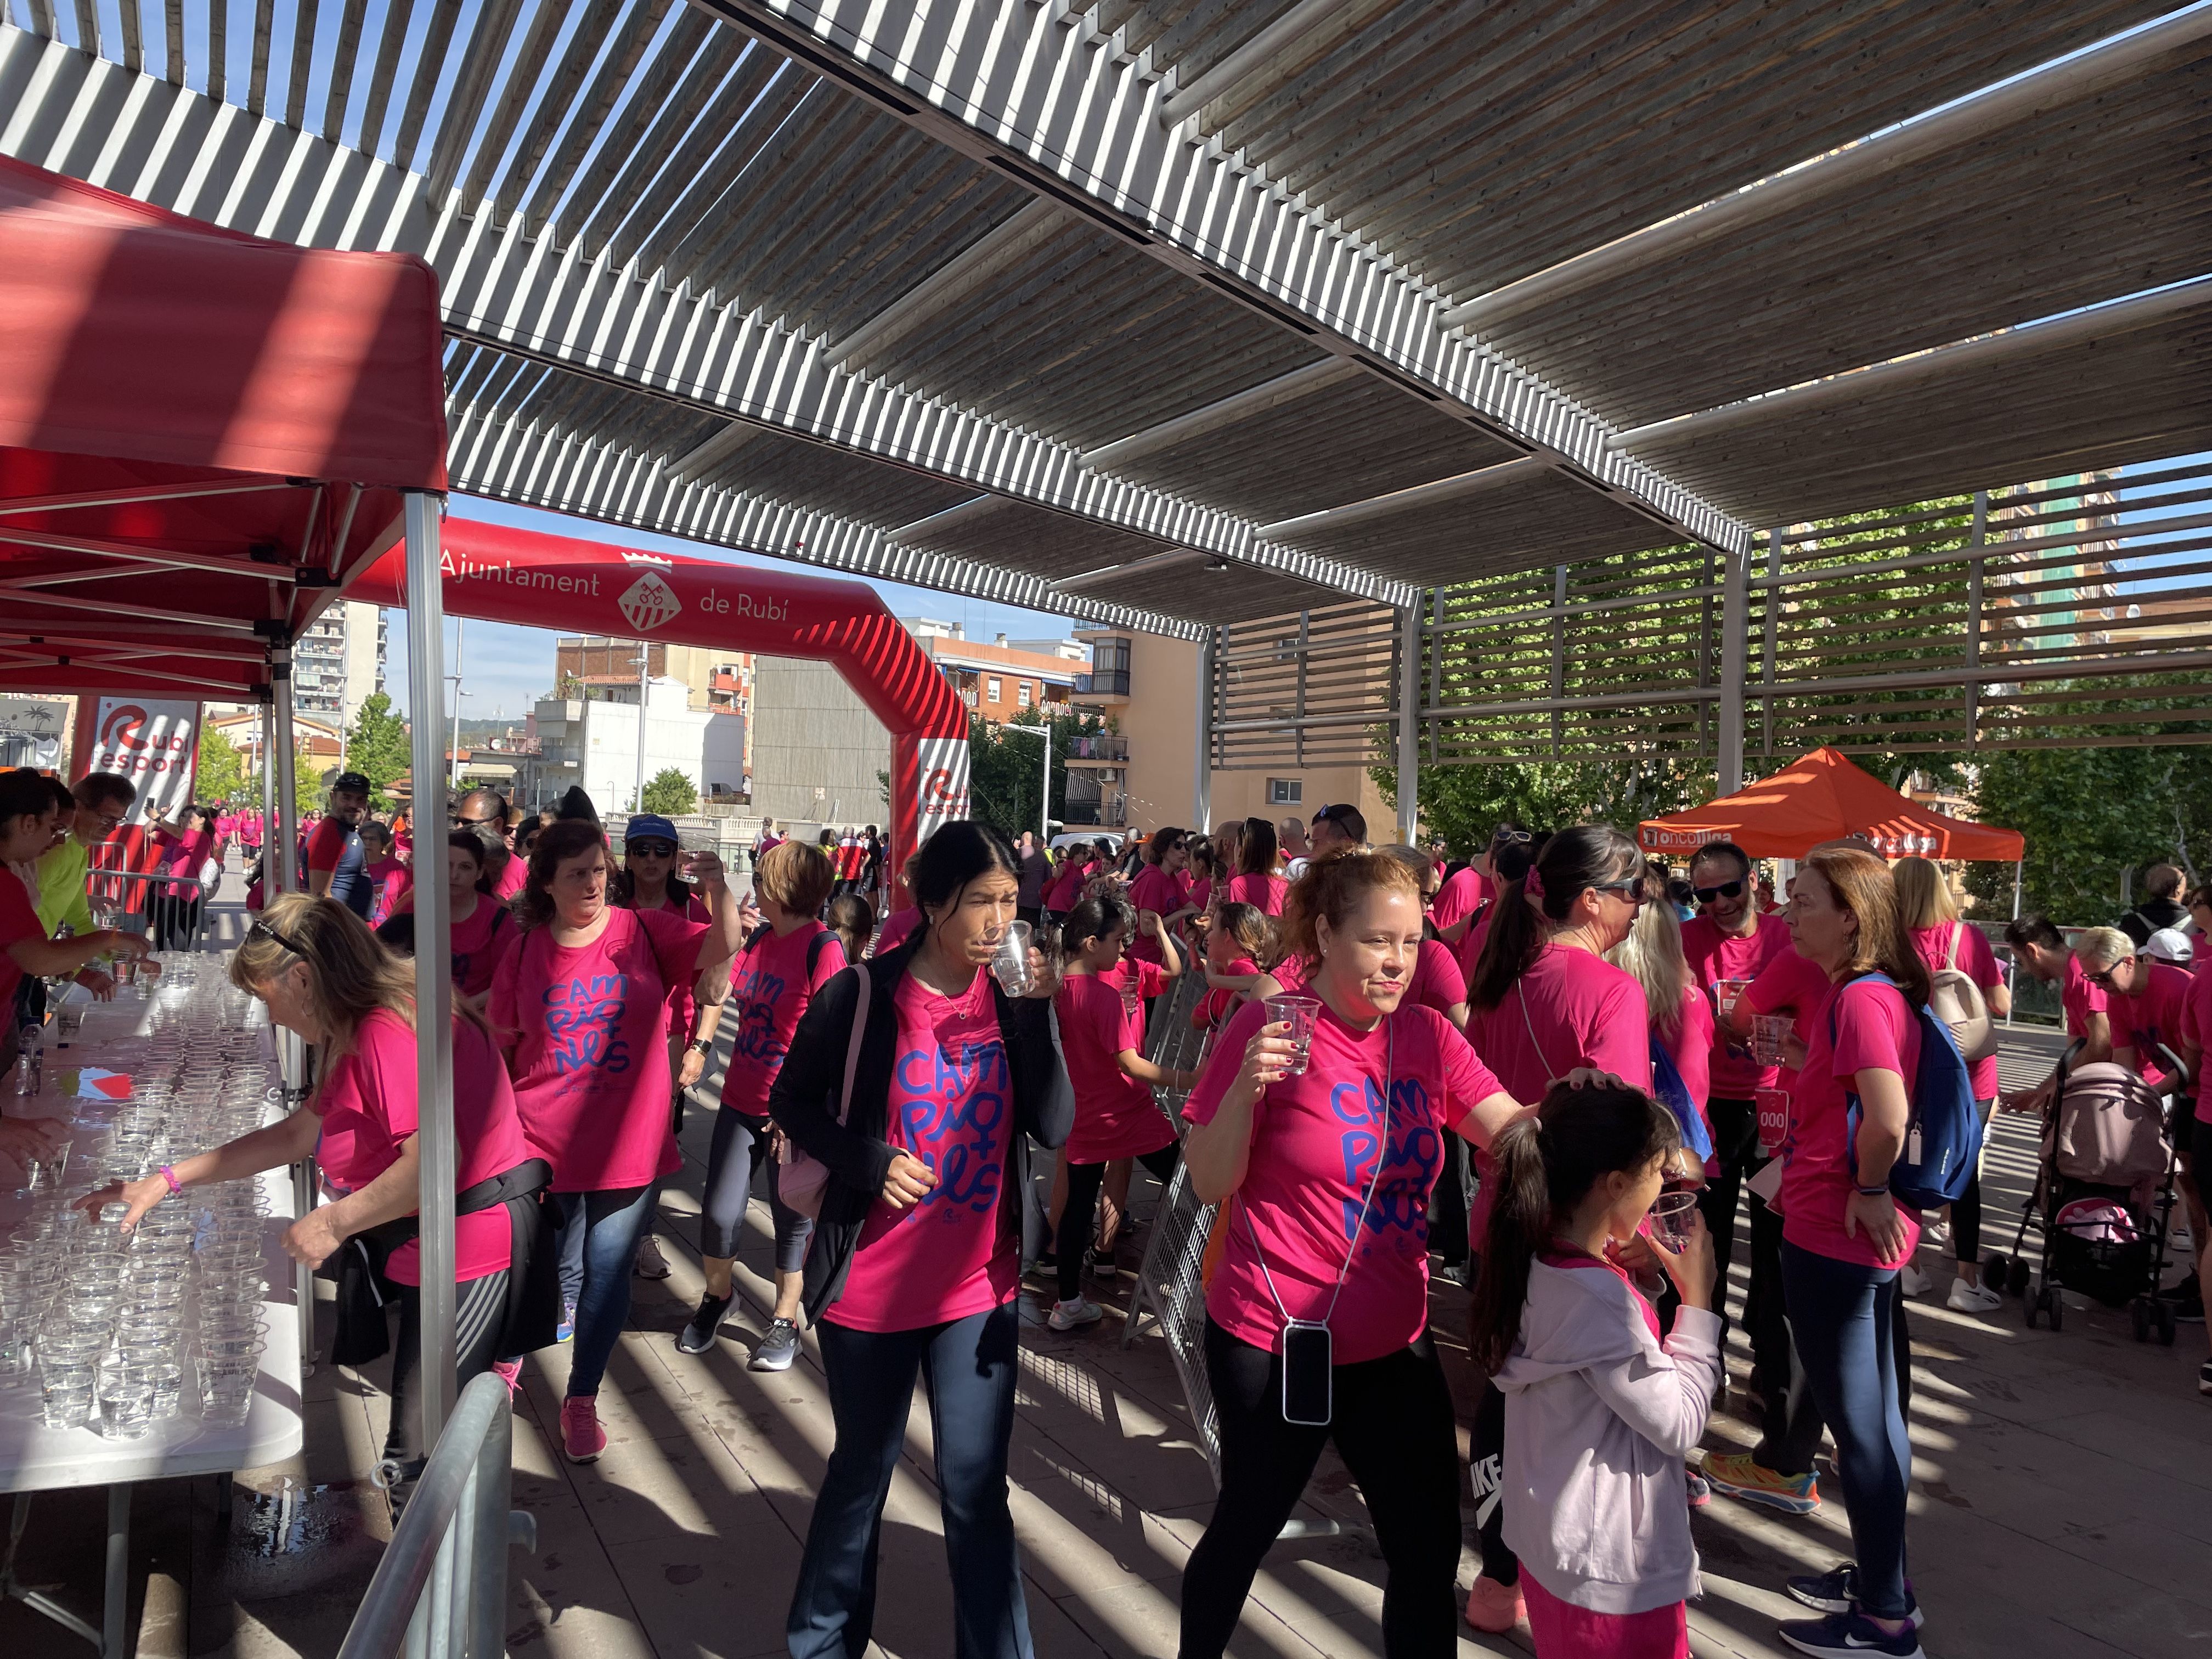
1103	683
1099	748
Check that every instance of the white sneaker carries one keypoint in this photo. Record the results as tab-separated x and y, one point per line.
1972	1298
650	1263
1067	1316
1915	1282
1937	1233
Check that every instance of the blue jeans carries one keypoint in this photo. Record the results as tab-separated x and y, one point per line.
1844	1315
970	1367
599	1246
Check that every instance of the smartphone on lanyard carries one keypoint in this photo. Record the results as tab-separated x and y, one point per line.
1308	1380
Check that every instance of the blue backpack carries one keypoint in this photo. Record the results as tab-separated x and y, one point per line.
1944	1133
1670	1091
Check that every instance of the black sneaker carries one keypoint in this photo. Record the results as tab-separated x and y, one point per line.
698	1336
1837	1592
2188	1303
1098	1263
1849	1634
2204	1377
777	1349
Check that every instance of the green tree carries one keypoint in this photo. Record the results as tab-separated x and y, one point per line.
220	774
377	747
669	792
1464	804
1004	771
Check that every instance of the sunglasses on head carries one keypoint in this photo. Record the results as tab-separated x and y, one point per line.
1726	890
1512	837
259	929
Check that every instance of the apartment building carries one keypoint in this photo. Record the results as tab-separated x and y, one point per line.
1002	681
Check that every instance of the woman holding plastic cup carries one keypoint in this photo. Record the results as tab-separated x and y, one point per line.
1316	1318
923	1126
1545	1001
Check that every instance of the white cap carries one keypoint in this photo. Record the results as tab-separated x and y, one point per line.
2169	945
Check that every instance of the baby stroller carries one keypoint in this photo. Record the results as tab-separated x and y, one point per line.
2103	1196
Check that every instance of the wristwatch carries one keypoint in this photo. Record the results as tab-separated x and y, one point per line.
700	1045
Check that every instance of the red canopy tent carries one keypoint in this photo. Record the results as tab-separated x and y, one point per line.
202	435
1821	797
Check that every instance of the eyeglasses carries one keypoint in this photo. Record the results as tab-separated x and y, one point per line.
259	929
1505	837
652	849
1726	890
1631	892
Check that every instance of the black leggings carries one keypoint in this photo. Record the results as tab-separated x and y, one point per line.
1395	1430
1967	1209
174	918
479	1321
1083	1181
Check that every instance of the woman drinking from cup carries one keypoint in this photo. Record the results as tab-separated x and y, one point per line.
1102	1029
578	1005
1320	1136
917	1138
322	973
1544	1002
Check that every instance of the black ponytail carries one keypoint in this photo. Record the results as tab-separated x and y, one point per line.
1093	919
1587	855
1547	1164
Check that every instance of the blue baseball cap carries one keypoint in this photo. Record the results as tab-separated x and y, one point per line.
650	826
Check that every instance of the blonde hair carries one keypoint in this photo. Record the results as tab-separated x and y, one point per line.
350	974
2099	948
1652	955
795	876
1924	897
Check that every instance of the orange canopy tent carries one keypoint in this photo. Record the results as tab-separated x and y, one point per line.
1821	797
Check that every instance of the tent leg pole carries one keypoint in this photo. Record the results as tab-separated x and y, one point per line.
1201	785
1409	724
434	969
1736	634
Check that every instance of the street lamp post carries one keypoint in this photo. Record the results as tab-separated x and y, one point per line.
644	690
1044	802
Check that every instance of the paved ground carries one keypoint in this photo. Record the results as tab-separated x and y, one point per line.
2060	1504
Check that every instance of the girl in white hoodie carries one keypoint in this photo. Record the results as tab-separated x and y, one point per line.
1599	1409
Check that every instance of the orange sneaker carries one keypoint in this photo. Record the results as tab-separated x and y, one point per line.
1494	1607
581	1438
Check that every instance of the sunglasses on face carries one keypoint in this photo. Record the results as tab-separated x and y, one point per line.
1512	838
1630	891
652	849
1726	890
2102	979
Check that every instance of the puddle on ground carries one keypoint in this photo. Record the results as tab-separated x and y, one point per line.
296	1536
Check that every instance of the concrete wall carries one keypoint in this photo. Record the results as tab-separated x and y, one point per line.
595	744
817	749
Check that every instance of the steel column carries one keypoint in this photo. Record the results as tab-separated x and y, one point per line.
1558	649
1409	724
433	966
1201	783
1771	607
1736	630
1975	545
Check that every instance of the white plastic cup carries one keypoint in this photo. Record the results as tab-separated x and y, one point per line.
1299	1013
1012	963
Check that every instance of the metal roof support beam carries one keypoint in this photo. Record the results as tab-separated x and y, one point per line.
1456	487
950	282
1237	406
1255	57
2066	80
715	450
918	533
1007	87
1129	567
2095	323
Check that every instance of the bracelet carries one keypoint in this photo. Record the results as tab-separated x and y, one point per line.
170	1175
1874	1192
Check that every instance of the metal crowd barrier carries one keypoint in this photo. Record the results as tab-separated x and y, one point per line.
440	1590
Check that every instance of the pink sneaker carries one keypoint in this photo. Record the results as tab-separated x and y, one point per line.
1494	1607
582	1437
508	1371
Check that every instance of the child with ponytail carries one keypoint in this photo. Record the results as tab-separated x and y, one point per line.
1600	1410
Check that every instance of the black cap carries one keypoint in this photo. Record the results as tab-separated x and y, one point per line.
352	782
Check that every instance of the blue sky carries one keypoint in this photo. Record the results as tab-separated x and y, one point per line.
504	669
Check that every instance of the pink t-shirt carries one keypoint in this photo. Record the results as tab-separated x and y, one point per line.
2196	1028
480	944
682	998
589	1055
183	856
512	879
389	879
1263	893
1580	1010
956	1252
367	1105
1066	888
1471	943
1315	1138
1156	890
770	987
1875	1031
1979	962
1115	1116
897	928
2141	1022
2081	998
1218	1002
1460	896
1714	955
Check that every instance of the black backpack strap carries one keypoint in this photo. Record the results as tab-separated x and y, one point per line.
814	948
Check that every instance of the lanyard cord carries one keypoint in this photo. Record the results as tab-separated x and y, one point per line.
1381	1153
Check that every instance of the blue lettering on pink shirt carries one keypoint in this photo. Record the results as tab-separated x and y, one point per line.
1410	1163
953	1110
582	1017
758	995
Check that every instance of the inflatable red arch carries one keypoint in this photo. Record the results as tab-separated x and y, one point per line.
499	574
